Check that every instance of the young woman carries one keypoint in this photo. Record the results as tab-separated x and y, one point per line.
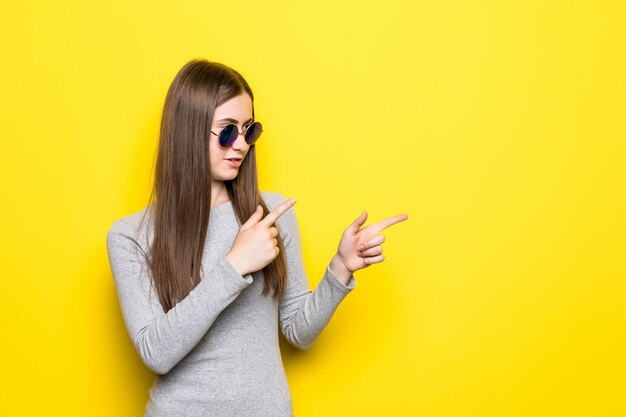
206	282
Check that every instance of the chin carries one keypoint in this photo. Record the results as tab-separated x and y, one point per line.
229	176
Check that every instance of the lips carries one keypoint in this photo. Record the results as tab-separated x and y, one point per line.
234	162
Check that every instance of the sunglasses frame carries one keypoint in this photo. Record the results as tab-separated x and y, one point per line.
244	133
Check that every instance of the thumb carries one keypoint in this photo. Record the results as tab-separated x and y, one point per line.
356	225
255	217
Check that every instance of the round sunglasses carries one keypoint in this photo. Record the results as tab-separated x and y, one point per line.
230	132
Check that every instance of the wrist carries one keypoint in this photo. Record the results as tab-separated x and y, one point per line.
339	270
233	261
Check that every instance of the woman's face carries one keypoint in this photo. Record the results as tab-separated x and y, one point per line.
239	109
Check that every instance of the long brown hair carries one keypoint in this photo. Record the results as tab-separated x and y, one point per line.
182	182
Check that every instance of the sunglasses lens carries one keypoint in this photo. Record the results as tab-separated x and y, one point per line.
253	132
228	135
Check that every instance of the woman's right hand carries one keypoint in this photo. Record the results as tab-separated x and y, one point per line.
255	245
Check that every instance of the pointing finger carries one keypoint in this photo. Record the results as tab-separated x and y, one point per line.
383	224
277	212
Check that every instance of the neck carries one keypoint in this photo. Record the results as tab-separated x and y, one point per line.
219	195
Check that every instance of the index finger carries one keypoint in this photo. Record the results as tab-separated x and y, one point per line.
383	224
273	215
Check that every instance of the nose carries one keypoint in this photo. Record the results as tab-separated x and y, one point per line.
240	142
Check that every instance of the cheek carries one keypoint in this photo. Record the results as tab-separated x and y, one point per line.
215	152
214	159
211	158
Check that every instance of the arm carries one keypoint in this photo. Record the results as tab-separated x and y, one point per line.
163	339
304	314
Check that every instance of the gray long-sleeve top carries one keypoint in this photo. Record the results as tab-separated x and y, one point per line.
216	352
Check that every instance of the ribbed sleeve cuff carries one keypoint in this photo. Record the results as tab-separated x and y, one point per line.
338	285
229	279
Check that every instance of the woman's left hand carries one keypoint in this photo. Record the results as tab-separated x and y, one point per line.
359	249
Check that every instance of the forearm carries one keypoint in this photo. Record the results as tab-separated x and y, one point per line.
305	313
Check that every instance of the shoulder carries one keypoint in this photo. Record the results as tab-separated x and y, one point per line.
129	227
130	222
272	199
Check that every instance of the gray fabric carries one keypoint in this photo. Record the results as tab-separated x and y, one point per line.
216	353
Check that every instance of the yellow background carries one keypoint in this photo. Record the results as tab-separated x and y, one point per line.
498	127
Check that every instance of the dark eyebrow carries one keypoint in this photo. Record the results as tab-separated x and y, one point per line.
228	119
